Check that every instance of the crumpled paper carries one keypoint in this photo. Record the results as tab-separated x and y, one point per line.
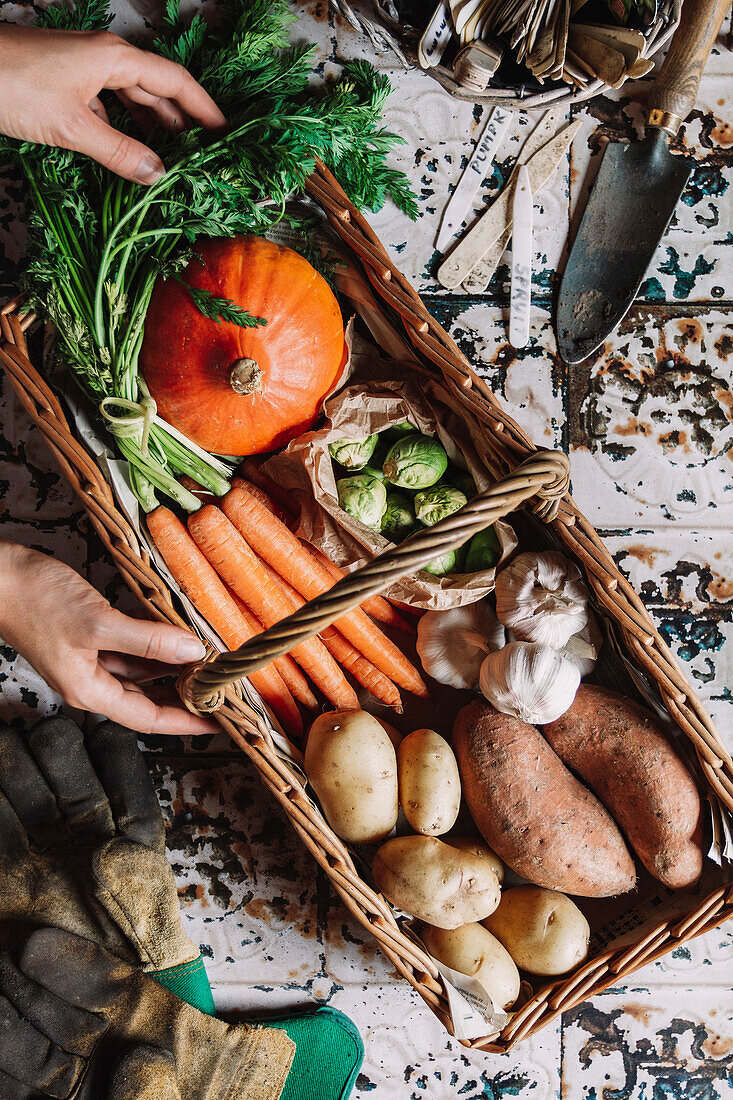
364	407
474	1014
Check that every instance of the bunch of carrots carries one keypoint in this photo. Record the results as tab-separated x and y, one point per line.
244	570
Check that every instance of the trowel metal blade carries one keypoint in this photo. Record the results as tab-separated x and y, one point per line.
629	209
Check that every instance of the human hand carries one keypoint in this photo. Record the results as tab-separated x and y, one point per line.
49	92
96	658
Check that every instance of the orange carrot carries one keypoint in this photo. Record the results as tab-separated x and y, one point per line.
293	678
279	547
209	596
361	668
363	671
377	606
408	609
251	468
204	495
232	558
261	495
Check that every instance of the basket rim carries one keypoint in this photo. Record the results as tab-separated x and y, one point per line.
575	533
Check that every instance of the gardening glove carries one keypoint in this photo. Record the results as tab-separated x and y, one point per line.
82	847
47	1045
145	1073
70	1011
328	1054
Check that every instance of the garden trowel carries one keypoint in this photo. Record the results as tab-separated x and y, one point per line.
634	196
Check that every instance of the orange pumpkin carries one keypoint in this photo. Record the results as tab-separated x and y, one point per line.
241	391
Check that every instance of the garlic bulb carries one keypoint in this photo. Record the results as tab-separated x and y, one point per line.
583	648
453	644
542	598
530	681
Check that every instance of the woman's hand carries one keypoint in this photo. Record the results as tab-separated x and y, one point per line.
49	92
96	658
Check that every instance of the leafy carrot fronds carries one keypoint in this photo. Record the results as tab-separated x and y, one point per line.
97	243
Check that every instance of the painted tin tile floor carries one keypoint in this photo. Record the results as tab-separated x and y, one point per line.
649	427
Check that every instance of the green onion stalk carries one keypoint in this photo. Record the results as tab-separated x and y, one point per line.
154	451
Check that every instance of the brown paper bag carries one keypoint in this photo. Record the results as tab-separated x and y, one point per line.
363	408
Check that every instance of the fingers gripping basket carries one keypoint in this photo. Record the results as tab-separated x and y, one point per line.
534	480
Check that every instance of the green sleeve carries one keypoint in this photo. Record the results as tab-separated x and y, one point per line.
190	982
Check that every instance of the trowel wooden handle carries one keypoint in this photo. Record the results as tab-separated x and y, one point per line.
674	92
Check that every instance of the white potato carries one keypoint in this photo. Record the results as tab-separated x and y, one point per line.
480	848
543	930
394	734
429	783
436	883
474	951
351	765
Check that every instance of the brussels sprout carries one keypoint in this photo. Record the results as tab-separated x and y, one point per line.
415	462
437	503
439	567
399	519
364	498
399	430
484	551
374	471
353	454
466	484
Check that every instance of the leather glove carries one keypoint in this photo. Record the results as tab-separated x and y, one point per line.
146	1073
76	1022
82	847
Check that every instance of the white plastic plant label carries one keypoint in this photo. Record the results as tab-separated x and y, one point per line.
473	1012
471	1006
436	36
478	168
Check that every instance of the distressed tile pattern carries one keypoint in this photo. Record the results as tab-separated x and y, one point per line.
649	425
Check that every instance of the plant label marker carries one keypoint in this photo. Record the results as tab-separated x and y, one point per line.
438	34
521	295
473	176
476	243
481	275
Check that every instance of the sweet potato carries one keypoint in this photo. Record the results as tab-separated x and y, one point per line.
621	751
535	815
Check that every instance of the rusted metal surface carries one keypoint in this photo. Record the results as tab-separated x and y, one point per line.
648	423
628	211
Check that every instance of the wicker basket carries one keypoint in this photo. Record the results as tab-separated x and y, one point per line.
530	96
534	480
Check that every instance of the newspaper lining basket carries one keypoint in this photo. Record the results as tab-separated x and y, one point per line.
536	480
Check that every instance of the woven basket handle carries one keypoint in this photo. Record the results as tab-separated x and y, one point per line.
544	475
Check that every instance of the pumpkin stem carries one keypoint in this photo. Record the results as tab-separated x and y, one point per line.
245	376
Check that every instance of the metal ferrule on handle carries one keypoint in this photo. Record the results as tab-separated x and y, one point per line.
674	91
545	475
664	120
